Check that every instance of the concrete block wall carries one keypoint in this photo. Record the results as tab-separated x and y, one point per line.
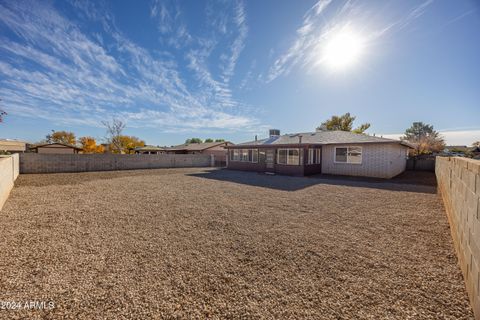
8	173
384	160
459	184
55	163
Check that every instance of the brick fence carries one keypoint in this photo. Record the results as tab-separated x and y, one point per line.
8	174
52	163
459	184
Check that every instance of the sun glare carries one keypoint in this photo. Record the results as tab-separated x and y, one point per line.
343	49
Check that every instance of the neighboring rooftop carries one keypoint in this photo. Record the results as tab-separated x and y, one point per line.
54	144
12	145
462	148
150	148
321	137
198	146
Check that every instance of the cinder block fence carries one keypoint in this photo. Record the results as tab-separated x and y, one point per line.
8	173
54	163
459	184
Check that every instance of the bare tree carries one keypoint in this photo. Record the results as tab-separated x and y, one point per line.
114	132
2	114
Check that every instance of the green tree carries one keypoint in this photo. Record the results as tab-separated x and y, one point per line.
425	138
193	140
343	123
219	140
64	137
209	140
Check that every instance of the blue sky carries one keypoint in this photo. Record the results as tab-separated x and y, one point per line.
233	69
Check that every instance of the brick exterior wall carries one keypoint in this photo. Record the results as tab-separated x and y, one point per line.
379	160
459	184
52	163
8	173
56	148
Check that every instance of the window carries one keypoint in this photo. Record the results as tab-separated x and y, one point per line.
314	156
244	155
341	154
288	156
255	155
282	156
293	157
348	155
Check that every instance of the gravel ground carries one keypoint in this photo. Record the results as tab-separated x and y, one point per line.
200	243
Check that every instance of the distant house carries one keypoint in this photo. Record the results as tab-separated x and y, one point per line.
12	146
455	149
212	148
452	148
150	150
327	152
57	148
106	148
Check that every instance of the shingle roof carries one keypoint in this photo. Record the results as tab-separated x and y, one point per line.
55	143
197	146
321	137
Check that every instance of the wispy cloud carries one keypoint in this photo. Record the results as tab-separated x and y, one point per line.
452	136
239	42
460	17
58	72
306	39
172	28
326	17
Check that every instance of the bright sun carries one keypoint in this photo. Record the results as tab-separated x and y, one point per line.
342	49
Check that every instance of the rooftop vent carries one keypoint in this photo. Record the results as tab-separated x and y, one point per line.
274	133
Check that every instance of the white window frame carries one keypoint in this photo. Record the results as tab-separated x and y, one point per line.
348	155
314	153
240	155
254	155
244	156
236	155
286	163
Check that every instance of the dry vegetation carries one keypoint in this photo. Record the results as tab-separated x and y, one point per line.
186	243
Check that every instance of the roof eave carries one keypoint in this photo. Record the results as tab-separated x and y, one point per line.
303	144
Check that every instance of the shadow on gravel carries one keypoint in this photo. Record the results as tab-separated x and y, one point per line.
408	181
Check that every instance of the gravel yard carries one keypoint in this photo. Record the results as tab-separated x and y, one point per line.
199	243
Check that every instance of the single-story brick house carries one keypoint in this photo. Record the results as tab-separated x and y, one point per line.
60	148
212	148
326	152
